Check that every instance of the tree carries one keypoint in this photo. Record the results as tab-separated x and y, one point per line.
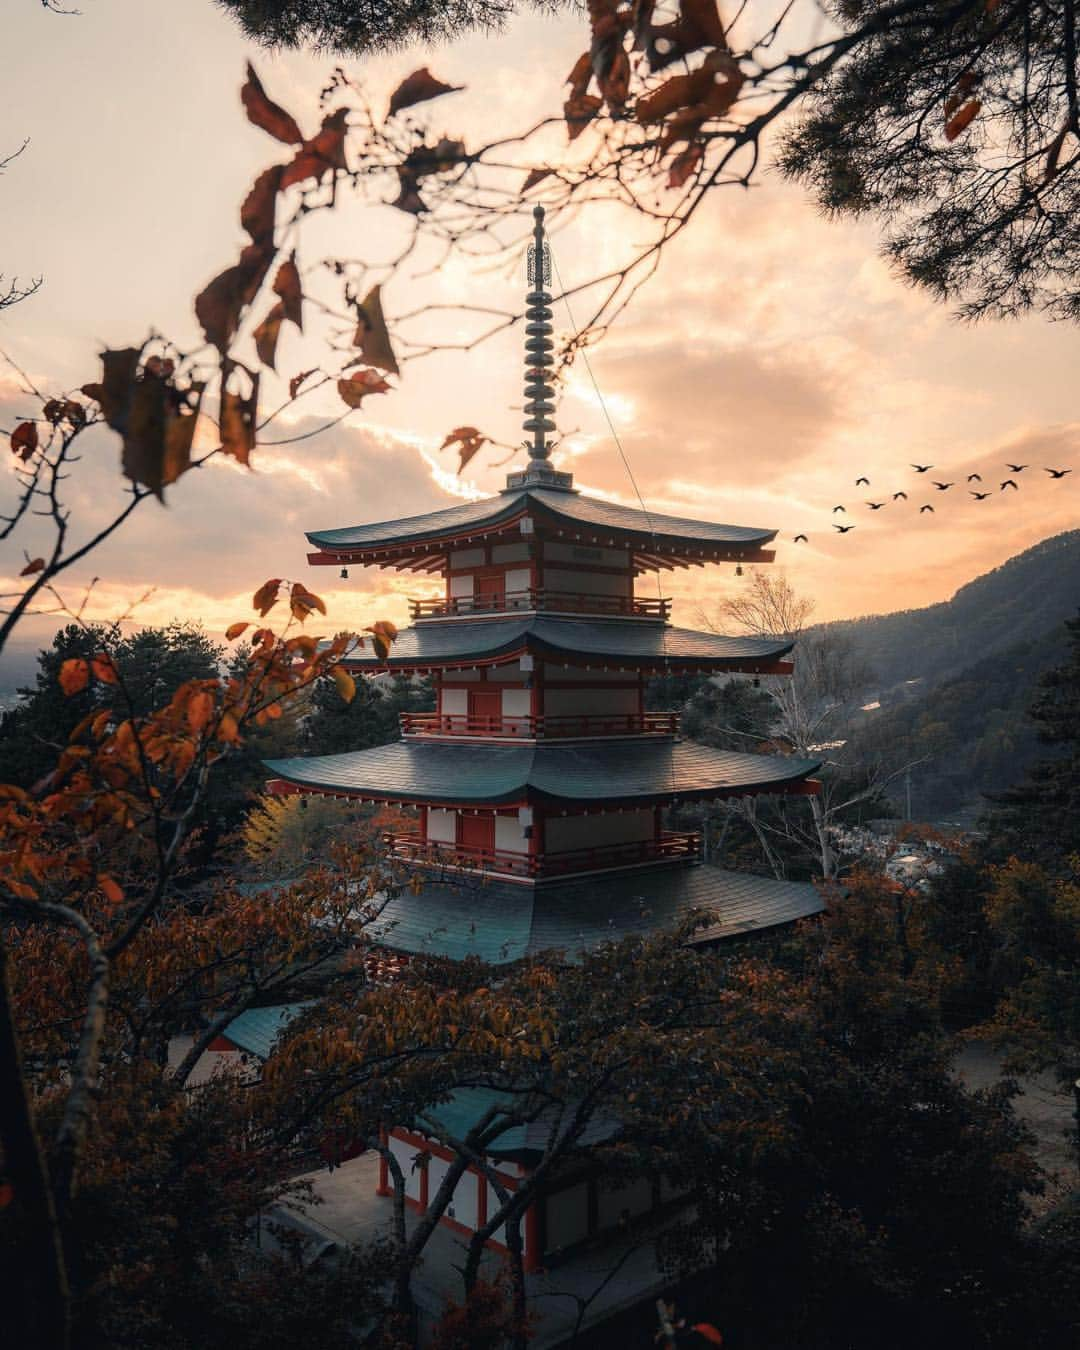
958	124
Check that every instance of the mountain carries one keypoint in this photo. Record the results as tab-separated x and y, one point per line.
1023	600
952	682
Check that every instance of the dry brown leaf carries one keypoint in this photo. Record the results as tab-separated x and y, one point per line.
265	113
372	336
418	87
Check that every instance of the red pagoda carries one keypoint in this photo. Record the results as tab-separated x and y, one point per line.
540	782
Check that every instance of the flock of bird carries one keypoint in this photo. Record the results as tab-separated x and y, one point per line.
980	496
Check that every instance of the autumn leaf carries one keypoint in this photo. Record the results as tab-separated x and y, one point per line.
109	889
104	668
287	286
34	565
678	92
383	634
683	166
266	597
323	152
74	675
156	420
266	114
372	336
258	209
346	685
219	305
468	440
236	422
961	120
302	602
359	385
199	710
24	440
581	74
579	111
266	335
535	176
235	629
418	87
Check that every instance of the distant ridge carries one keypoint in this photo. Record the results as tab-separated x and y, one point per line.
1023	600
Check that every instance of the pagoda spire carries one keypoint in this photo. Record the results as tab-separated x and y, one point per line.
539	391
538	343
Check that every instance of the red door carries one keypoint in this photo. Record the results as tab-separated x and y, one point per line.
490	592
485	709
476	835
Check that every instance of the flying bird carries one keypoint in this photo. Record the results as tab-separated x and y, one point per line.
927	507
839	508
875	506
942	487
1008	483
897	495
843	528
974	478
1058	473
922	468
800	539
862	480
980	496
1016	468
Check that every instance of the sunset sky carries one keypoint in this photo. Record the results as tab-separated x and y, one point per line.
771	361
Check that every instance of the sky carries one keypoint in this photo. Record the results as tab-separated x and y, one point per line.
772	360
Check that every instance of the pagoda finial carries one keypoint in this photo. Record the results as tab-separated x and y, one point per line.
538	344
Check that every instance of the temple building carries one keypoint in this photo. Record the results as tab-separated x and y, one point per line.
540	783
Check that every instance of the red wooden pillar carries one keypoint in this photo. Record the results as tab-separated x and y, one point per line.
533	1255
481	1199
384	1187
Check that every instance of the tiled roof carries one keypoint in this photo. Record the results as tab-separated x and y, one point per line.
567	508
464	1109
501	922
624	771
633	641
257	1029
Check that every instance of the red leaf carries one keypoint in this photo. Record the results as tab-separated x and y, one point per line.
109	889
266	335
265	598
361	383
257	212
579	112
323	152
219	306
683	166
418	87
35	565
266	114
103	668
287	285
468	440
235	629
962	120
24	440
74	676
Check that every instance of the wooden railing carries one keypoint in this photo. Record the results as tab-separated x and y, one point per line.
562	602
672	844
563	727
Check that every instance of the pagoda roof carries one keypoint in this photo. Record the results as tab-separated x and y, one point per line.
560	510
503	922
256	1029
636	642
473	772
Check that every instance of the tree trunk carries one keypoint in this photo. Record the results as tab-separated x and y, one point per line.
38	1285
515	1247
821	827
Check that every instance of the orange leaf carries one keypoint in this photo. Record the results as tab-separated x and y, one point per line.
266	597
266	114
302	602
346	685
372	336
579	111
418	87
199	710
235	629
109	889
287	285
34	565
24	440
266	335
228	728
960	121
236	422
104	669
74	675
468	440
257	212
357	386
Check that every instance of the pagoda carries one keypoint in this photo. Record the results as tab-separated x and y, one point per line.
540	782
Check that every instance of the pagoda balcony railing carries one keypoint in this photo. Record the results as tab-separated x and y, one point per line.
568	726
542	599
671	845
